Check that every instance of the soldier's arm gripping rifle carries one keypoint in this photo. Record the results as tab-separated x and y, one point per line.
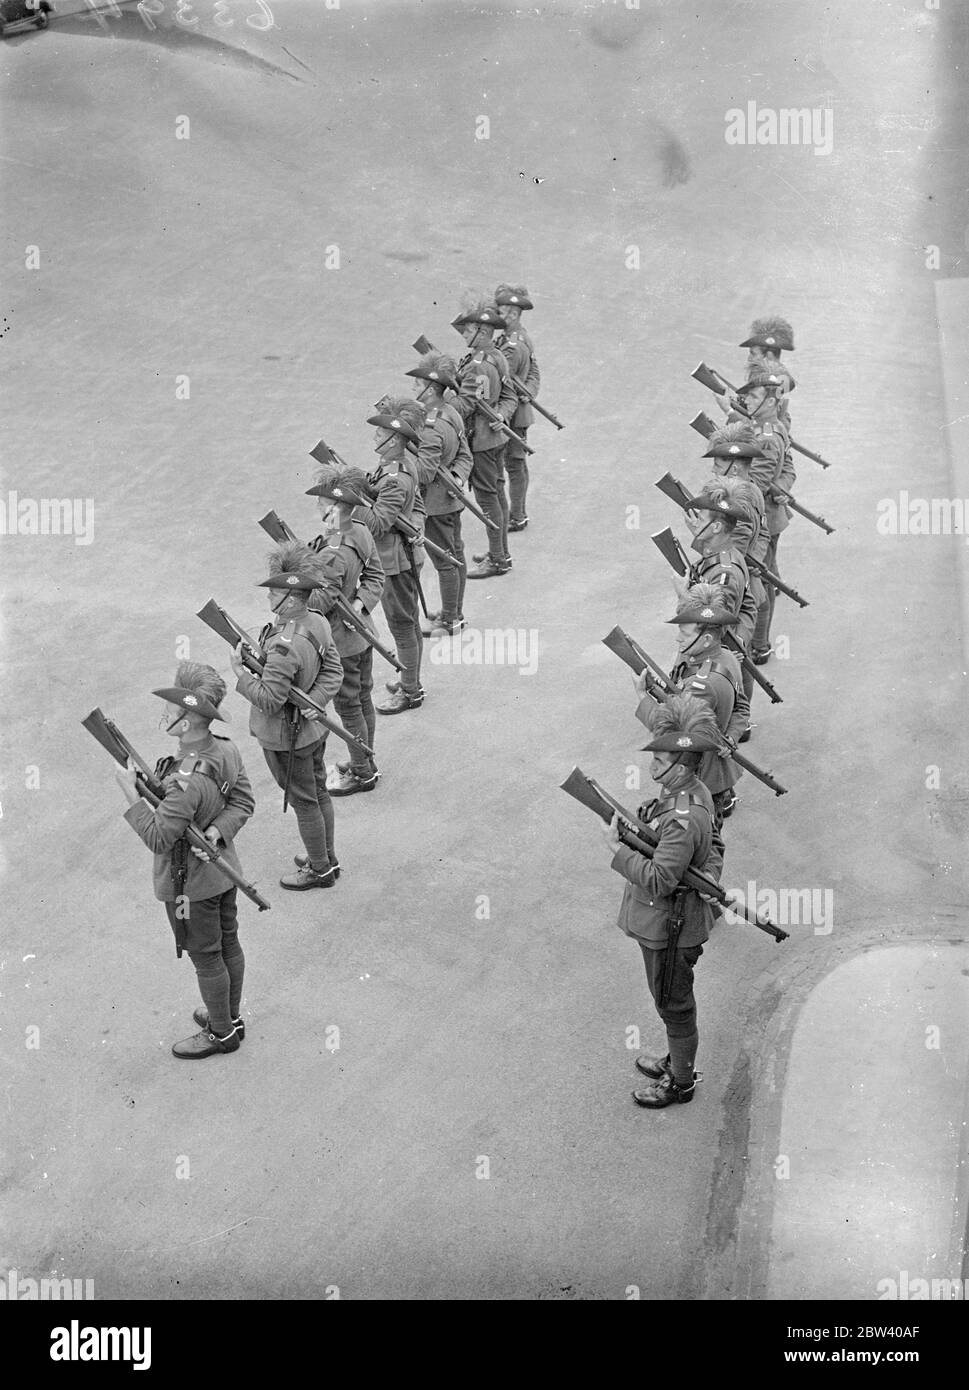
714	382
705	426
673	489
488	411
640	838
659	687
674	555
254	660
114	742
411	534
274	526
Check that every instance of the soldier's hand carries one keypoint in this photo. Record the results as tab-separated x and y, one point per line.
310	714
126	778
236	662
726	402
728	748
611	833
641	683
214	838
358	607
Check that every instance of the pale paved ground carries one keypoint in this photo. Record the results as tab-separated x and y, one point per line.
460	1038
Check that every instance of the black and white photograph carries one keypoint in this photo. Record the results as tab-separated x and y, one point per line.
377	931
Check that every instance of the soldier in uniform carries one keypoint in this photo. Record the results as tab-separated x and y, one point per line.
443	445
300	654
707	672
347	553
669	920
713	520
483	376
733	448
768	338
205	783
519	351
762	396
393	494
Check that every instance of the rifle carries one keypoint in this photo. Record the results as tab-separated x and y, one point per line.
673	489
714	382
674	555
114	742
219	621
423	344
412	534
659	687
640	838
705	426
275	527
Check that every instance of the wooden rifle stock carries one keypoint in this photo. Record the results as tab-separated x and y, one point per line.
639	837
252	655
114	742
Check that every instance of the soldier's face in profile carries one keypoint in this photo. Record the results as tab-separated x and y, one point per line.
688	635
171	719
661	764
754	399
469	332
328	517
755	356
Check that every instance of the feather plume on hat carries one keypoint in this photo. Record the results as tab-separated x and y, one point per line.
202	679
441	362
294	557
734	491
741	432
773	326
683	714
405	408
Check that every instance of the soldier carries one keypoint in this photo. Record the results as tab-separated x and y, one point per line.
707	672
300	654
204	782
393	494
669	920
769	337
762	396
733	449
483	376
443	445
713	520
348	557
519	351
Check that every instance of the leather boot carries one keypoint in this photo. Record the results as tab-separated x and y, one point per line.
201	1017
307	877
401	701
664	1092
205	1044
654	1067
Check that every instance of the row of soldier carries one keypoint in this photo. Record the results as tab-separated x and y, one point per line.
699	712
467	423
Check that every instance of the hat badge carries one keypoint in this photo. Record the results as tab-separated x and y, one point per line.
769	342
395	424
292	579
722	505
434	376
734	449
707	613
684	742
190	700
